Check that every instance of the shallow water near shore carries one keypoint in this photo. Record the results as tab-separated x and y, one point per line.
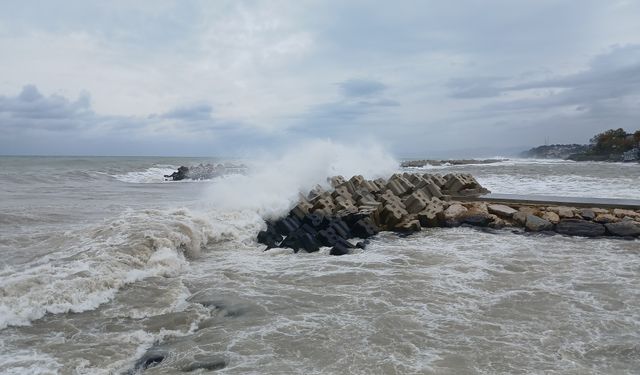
106	267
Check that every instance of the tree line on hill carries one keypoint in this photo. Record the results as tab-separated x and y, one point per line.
610	145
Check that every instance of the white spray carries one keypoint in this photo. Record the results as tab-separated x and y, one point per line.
273	183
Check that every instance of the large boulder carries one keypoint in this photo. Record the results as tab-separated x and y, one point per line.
536	224
551	217
408	226
501	210
562	212
577	227
619	212
605	218
587	214
476	218
453	211
625	228
520	217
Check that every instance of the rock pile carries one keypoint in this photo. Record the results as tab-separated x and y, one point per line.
360	208
203	172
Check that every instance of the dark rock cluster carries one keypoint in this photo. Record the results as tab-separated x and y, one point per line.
203	172
360	208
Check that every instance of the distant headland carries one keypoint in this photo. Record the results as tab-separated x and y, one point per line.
612	145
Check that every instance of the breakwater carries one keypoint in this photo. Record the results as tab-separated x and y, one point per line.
358	209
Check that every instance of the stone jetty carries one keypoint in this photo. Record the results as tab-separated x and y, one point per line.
358	208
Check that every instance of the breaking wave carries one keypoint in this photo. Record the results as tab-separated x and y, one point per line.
102	259
148	176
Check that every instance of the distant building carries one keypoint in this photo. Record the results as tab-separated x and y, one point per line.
632	155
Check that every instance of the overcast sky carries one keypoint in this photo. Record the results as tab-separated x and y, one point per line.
424	78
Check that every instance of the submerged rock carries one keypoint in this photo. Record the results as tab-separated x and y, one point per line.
204	362
151	358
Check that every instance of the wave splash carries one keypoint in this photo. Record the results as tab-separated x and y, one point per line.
272	184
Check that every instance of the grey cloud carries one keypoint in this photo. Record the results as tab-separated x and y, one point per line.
31	109
348	110
569	108
616	72
32	123
361	87
494	27
614	76
361	101
476	87
196	112
30	116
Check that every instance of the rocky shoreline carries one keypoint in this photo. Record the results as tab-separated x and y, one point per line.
358	209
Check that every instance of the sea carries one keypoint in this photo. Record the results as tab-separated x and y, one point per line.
106	268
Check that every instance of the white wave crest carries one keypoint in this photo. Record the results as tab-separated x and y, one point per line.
103	259
148	176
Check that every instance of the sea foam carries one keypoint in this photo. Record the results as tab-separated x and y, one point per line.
102	259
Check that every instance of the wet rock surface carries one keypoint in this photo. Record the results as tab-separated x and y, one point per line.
625	228
583	228
537	224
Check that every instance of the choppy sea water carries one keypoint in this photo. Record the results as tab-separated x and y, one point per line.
104	265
